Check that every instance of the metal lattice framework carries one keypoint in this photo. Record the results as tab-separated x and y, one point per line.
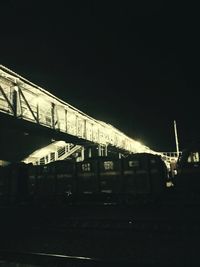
23	99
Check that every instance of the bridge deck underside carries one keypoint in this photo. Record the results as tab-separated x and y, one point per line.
20	138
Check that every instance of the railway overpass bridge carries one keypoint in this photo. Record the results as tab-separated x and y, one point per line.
38	127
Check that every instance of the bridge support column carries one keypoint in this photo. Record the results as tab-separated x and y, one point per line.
102	151
106	151
82	153
95	151
99	150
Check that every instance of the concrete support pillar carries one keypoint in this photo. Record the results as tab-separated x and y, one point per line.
82	153
99	151
106	151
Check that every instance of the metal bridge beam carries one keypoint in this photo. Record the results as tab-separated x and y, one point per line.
21	98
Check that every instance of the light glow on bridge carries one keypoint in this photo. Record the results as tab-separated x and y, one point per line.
23	99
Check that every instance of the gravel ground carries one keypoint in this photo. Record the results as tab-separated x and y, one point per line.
143	235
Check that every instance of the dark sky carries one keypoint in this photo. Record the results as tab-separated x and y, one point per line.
133	66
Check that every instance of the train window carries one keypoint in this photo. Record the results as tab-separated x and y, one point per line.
133	163
108	165
86	167
193	157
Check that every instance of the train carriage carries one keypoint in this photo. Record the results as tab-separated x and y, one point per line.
188	170
110	175
130	166
4	182
35	182
87	177
100	178
136	175
158	174
51	182
63	173
14	183
144	174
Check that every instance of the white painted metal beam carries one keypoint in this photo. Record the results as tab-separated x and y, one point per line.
37	105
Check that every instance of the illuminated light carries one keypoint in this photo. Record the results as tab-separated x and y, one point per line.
169	184
40	153
60	149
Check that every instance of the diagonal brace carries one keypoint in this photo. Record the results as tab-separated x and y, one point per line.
8	101
29	107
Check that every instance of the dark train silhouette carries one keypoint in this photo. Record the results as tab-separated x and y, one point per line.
188	170
102	178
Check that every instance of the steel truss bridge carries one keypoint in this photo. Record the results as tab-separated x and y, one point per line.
28	102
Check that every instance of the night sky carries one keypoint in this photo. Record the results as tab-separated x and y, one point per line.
135	66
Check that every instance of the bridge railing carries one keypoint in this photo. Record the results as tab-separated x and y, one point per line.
172	155
23	99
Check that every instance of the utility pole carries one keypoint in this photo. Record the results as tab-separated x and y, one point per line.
176	138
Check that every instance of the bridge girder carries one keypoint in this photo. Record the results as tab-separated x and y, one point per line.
27	102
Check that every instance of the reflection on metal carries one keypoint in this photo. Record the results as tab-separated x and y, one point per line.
23	99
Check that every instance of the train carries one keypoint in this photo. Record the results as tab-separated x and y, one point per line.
187	179
139	175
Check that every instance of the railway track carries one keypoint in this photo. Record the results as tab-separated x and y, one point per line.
146	236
